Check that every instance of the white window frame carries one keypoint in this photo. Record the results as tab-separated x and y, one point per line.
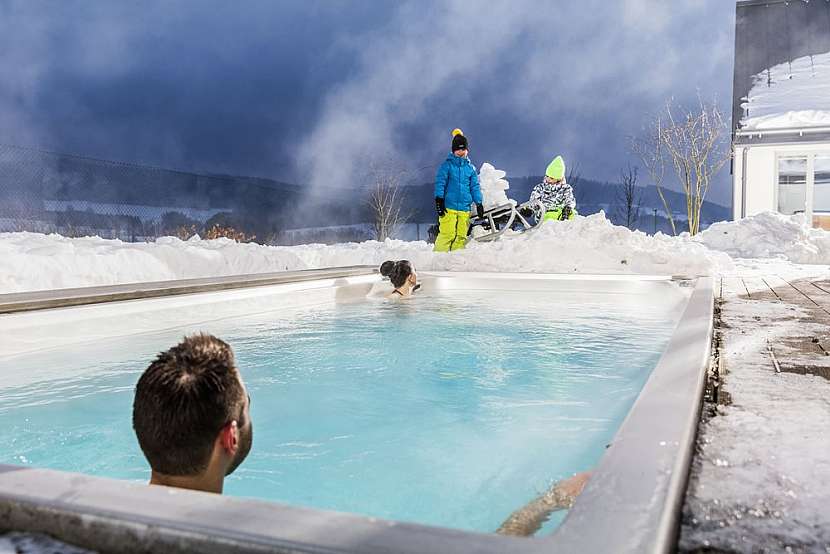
811	164
811	177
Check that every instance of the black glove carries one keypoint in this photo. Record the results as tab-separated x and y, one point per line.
526	211
439	206
480	210
566	213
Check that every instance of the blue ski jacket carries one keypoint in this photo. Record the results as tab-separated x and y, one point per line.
457	183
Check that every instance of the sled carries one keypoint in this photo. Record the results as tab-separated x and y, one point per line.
497	220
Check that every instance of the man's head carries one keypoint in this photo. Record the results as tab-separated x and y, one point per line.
191	413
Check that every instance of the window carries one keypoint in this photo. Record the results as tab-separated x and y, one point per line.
792	185
821	190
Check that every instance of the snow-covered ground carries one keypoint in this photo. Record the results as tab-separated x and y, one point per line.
31	261
760	480
790	95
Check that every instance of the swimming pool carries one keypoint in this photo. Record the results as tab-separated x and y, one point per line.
452	409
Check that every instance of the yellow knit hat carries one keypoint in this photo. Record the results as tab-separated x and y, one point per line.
556	168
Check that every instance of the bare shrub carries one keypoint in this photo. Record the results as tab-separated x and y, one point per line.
629	198
694	143
217	231
386	196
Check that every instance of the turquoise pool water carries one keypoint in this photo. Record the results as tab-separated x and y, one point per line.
451	411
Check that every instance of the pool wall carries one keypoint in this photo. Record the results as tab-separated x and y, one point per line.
631	503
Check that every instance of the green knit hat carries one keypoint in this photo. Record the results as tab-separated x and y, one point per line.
556	168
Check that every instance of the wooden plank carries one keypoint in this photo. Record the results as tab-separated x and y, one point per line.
732	287
758	289
822	284
784	290
815	295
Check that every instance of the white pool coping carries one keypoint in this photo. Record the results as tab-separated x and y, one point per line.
631	504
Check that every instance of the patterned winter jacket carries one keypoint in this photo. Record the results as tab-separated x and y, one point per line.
554	197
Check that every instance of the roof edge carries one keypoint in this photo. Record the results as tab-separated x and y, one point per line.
745	3
784	131
761	139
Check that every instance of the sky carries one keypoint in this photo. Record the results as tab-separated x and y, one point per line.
315	91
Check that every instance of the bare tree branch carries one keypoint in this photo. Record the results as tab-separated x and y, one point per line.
386	196
649	148
629	197
697	146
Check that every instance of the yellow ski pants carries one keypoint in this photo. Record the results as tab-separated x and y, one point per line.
452	231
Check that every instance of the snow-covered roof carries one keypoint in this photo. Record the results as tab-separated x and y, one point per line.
790	95
782	70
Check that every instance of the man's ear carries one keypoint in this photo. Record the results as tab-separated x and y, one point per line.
229	437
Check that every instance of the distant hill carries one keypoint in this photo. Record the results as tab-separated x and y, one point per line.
262	206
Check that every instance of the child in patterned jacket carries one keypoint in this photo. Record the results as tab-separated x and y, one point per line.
556	194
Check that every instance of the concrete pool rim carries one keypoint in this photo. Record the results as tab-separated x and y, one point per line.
631	504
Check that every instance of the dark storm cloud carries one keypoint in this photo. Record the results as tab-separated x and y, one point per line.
197	85
310	90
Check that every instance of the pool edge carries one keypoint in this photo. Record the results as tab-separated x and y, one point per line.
17	302
653	446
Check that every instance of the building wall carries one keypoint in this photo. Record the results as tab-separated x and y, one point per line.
762	174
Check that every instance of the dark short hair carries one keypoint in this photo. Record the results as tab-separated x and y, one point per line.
182	401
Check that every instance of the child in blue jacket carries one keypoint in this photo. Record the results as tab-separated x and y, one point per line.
456	188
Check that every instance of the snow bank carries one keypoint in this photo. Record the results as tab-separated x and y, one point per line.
769	235
790	95
589	244
30	261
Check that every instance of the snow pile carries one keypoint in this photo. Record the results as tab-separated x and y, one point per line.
589	244
30	261
493	186
769	235
790	95
592	244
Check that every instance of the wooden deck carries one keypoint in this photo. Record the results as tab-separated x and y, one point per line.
804	351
